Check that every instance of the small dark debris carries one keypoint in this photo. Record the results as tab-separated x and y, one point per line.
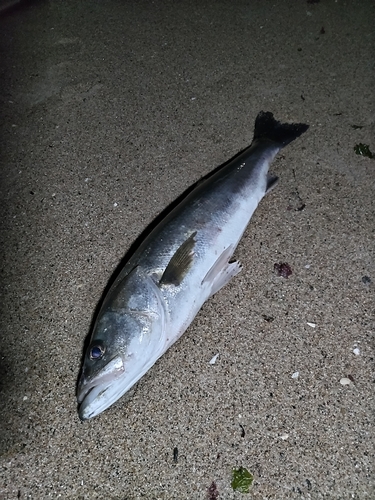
313	1
175	454
363	150
322	31
31	192
283	269
308	482
19	494
267	318
296	202
366	279
242	431
212	491
302	97
299	208
351	378
356	127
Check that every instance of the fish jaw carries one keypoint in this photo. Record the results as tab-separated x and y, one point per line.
93	394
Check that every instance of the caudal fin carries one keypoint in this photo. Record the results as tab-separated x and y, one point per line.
266	127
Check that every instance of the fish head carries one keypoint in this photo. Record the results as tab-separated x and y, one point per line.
128	337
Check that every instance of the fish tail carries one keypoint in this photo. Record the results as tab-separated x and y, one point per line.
266	127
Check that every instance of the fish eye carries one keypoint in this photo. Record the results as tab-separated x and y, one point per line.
97	352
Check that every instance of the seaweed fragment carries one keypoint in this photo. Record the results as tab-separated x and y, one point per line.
212	491
363	150
282	269
241	480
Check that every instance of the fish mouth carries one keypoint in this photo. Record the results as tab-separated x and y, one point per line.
97	393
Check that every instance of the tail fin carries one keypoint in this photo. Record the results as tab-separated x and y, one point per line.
266	127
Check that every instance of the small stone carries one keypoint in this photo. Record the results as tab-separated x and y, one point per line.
313	325
284	437
213	360
295	375
345	381
356	351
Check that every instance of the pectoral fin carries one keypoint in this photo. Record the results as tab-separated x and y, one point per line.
222	271
180	263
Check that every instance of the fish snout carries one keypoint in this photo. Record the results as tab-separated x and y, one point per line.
91	388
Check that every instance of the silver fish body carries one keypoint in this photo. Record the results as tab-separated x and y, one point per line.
179	265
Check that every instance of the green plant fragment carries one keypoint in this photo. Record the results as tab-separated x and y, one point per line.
241	480
363	150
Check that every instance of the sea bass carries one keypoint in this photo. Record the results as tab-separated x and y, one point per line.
184	260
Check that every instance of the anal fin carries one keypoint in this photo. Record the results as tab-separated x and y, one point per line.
272	180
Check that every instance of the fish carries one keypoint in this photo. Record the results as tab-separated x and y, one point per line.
184	260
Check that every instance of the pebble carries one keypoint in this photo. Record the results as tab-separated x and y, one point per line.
213	360
345	381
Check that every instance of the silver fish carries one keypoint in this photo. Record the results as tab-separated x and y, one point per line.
184	260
